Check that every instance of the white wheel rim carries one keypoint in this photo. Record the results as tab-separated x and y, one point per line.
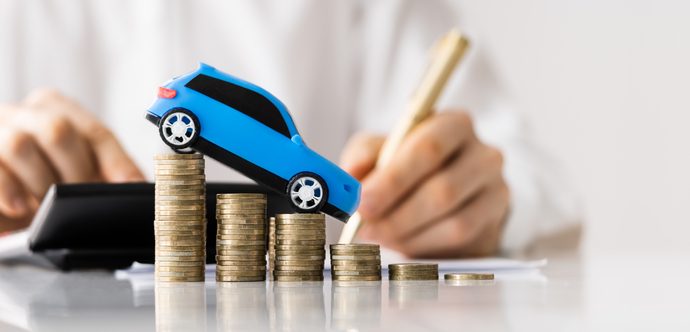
178	128
306	193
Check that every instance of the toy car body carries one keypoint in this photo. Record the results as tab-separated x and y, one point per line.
245	127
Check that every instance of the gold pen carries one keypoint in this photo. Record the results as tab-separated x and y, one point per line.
445	57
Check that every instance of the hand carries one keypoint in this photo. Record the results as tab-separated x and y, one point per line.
49	138
442	194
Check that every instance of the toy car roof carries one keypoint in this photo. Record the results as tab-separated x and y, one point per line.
267	96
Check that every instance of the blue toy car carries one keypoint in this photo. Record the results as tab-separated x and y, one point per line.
245	127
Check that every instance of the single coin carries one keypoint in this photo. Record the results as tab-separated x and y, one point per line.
468	276
179	238
253	269
301	216
292	227
297	273
223	248
356	257
180	198
199	273
180	220
199	208
300	251
392	277
162	214
301	242
298	278
254	237
299	257
412	266
235	252
242	227
355	264
223	278
198	258
179	192
236	273
240	195
290	247
299	263
198	227
320	232
355	246
182	173
356	278
160	252
356	273
170	187
354	253
180	279
177	156
230	258
235	222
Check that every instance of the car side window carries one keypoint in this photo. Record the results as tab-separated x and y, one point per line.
242	99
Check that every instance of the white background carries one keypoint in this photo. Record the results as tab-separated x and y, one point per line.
606	87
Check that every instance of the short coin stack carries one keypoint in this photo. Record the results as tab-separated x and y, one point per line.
271	246
241	239
355	262
413	271
180	217
300	241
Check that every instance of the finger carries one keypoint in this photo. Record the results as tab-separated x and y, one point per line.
360	154
61	143
23	157
426	149
13	202
462	233
113	163
444	192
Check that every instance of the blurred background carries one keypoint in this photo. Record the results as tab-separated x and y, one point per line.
605	87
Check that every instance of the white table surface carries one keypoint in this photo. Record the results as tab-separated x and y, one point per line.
602	293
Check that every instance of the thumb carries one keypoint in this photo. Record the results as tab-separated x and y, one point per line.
360	154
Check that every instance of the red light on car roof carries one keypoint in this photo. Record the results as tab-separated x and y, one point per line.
166	93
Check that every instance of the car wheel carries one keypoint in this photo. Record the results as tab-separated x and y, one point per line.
179	128
307	192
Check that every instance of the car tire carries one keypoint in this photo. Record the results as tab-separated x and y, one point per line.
307	192
179	128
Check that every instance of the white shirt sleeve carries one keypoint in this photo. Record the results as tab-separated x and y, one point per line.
397	36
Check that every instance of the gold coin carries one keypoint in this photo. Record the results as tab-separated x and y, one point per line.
180	279
299	257
355	268
469	276
355	246
302	232
241	273
299	268
179	227
222	278
297	273
307	252
241	196
180	274
300	227
356	257
163	214
355	263
180	220
192	259
257	257
177	156
301	242
298	278
299	263
412	266
254	268
195	191
241	253
180	198
253	237
223	222
179	268
181	243
173	182
356	278
357	273
171	187
289	247
162	252
300	237
393	277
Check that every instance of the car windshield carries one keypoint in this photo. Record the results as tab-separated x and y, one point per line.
244	100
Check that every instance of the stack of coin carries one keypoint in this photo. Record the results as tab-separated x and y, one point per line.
241	239
413	271
300	241
355	262
180	217
271	246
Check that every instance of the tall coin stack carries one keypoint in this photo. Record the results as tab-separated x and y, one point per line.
271	246
241	239
300	241
413	271
355	262
180	217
